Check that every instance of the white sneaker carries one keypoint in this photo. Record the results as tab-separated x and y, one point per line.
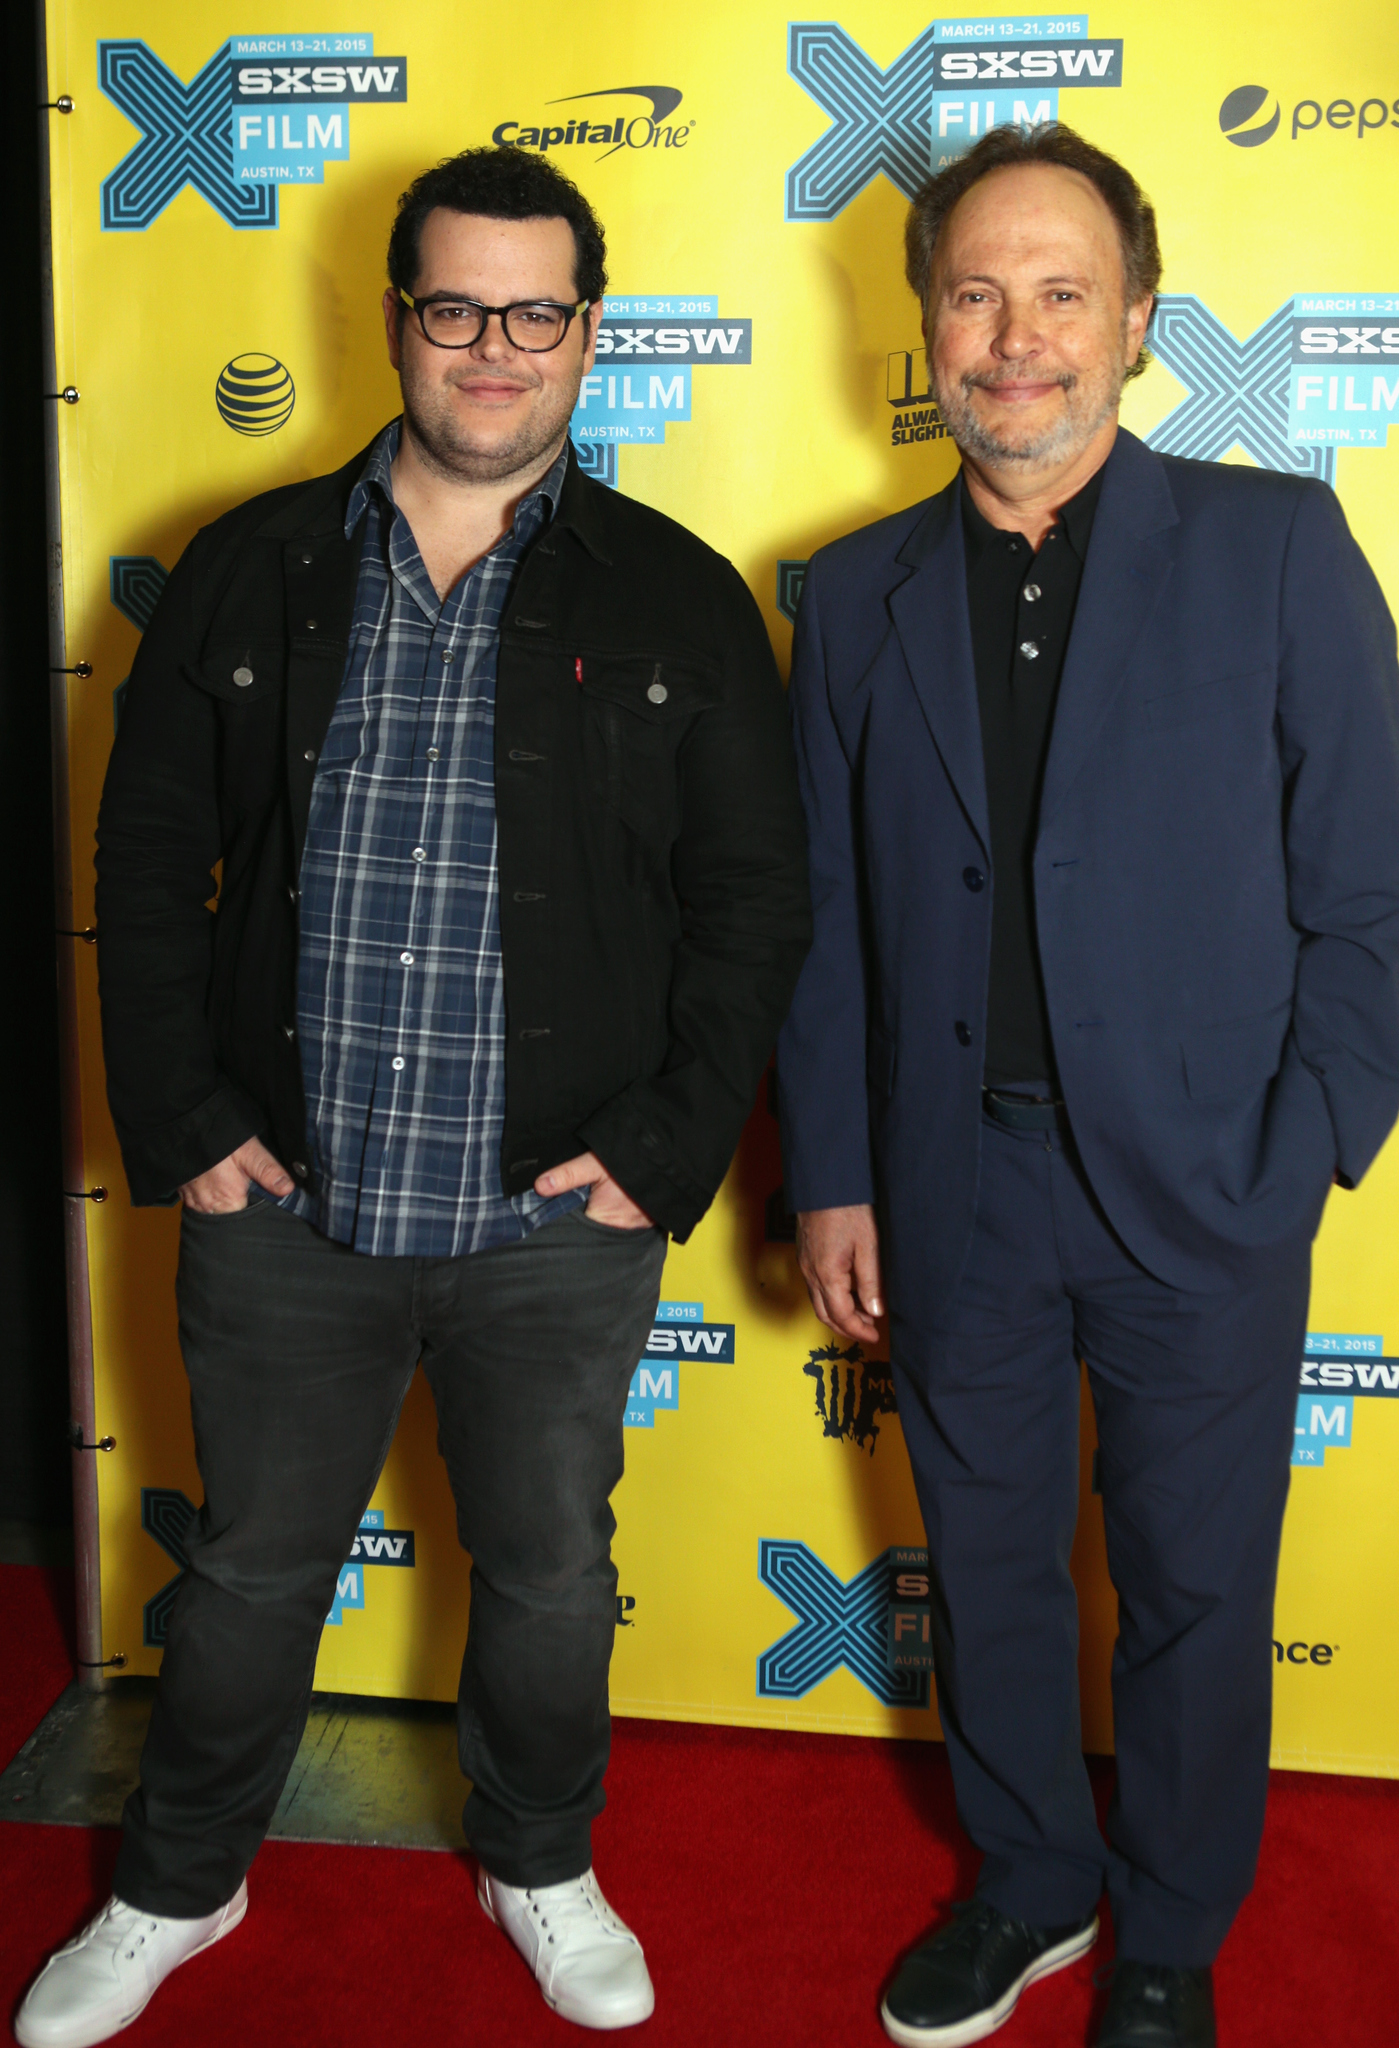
105	1979
586	1961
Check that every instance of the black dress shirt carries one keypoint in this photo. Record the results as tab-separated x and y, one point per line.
1022	611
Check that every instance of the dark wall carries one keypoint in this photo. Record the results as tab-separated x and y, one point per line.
34	1459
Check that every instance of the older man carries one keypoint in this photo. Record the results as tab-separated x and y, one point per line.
1101	768
513	899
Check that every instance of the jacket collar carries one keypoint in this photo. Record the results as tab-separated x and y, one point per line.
324	504
1125	574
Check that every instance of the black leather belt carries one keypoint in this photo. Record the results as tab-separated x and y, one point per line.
1023	1112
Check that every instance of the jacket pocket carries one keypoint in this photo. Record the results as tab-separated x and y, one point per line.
1228	1061
641	710
1215	699
238	675
881	1059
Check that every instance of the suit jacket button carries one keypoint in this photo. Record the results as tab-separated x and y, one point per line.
963	1031
974	879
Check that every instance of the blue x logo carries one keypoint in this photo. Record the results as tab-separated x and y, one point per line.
168	1515
880	118
1238	390
838	1624
186	139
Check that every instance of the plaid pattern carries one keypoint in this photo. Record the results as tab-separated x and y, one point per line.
401	998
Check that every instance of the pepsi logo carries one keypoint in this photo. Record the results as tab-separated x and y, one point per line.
255	394
1249	115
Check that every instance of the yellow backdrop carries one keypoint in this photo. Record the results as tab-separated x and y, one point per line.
222	192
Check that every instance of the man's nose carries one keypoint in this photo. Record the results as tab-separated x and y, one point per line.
492	343
1017	334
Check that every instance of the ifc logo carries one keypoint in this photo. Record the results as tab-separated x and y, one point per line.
255	394
1239	110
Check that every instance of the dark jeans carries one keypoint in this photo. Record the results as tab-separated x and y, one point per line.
299	1354
1196	1399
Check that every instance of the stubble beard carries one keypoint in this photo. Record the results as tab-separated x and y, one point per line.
1086	409
447	448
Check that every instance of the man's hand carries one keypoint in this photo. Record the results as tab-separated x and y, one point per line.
225	1186
607	1203
838	1252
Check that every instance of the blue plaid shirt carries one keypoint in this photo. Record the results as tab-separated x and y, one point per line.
401	995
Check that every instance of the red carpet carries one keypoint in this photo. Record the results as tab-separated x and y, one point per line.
772	1879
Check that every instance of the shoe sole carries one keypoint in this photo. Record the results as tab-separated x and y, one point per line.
983	2023
561	2005
27	2039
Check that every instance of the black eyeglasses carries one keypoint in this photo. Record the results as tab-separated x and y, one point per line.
534	325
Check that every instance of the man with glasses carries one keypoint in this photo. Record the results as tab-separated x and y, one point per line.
512	903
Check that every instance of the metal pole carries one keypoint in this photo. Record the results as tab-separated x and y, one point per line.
82	1408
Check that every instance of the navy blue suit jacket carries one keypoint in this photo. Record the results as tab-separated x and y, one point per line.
1216	874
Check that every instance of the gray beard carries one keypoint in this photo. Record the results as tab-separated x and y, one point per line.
448	454
1040	451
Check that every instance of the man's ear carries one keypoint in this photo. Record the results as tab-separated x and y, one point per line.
1137	322
592	321
393	325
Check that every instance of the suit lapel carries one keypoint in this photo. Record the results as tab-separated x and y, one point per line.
1128	568
930	616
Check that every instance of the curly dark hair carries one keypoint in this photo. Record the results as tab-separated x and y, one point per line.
1006	149
502	184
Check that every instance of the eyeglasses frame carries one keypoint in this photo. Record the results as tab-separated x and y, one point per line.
451	299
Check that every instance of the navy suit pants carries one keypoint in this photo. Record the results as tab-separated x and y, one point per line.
1195	1396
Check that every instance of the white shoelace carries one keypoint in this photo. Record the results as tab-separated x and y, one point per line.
562	1908
116	1926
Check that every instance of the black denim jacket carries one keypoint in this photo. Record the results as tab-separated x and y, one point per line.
653	898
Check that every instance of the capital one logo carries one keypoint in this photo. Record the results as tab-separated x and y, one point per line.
244	124
957	81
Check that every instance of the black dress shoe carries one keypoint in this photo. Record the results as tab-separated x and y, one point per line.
963	1983
1155	2006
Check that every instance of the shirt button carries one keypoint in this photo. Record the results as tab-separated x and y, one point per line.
406	958
397	1063
434	754
310	625
1029	650
446	654
243	677
974	879
658	693
309	755
1031	592
420	853
298	1167
963	1031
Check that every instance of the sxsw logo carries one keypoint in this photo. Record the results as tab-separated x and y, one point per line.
1291	392
679	1332
855	1624
951	86
640	380
264	111
1336	1370
373	1544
